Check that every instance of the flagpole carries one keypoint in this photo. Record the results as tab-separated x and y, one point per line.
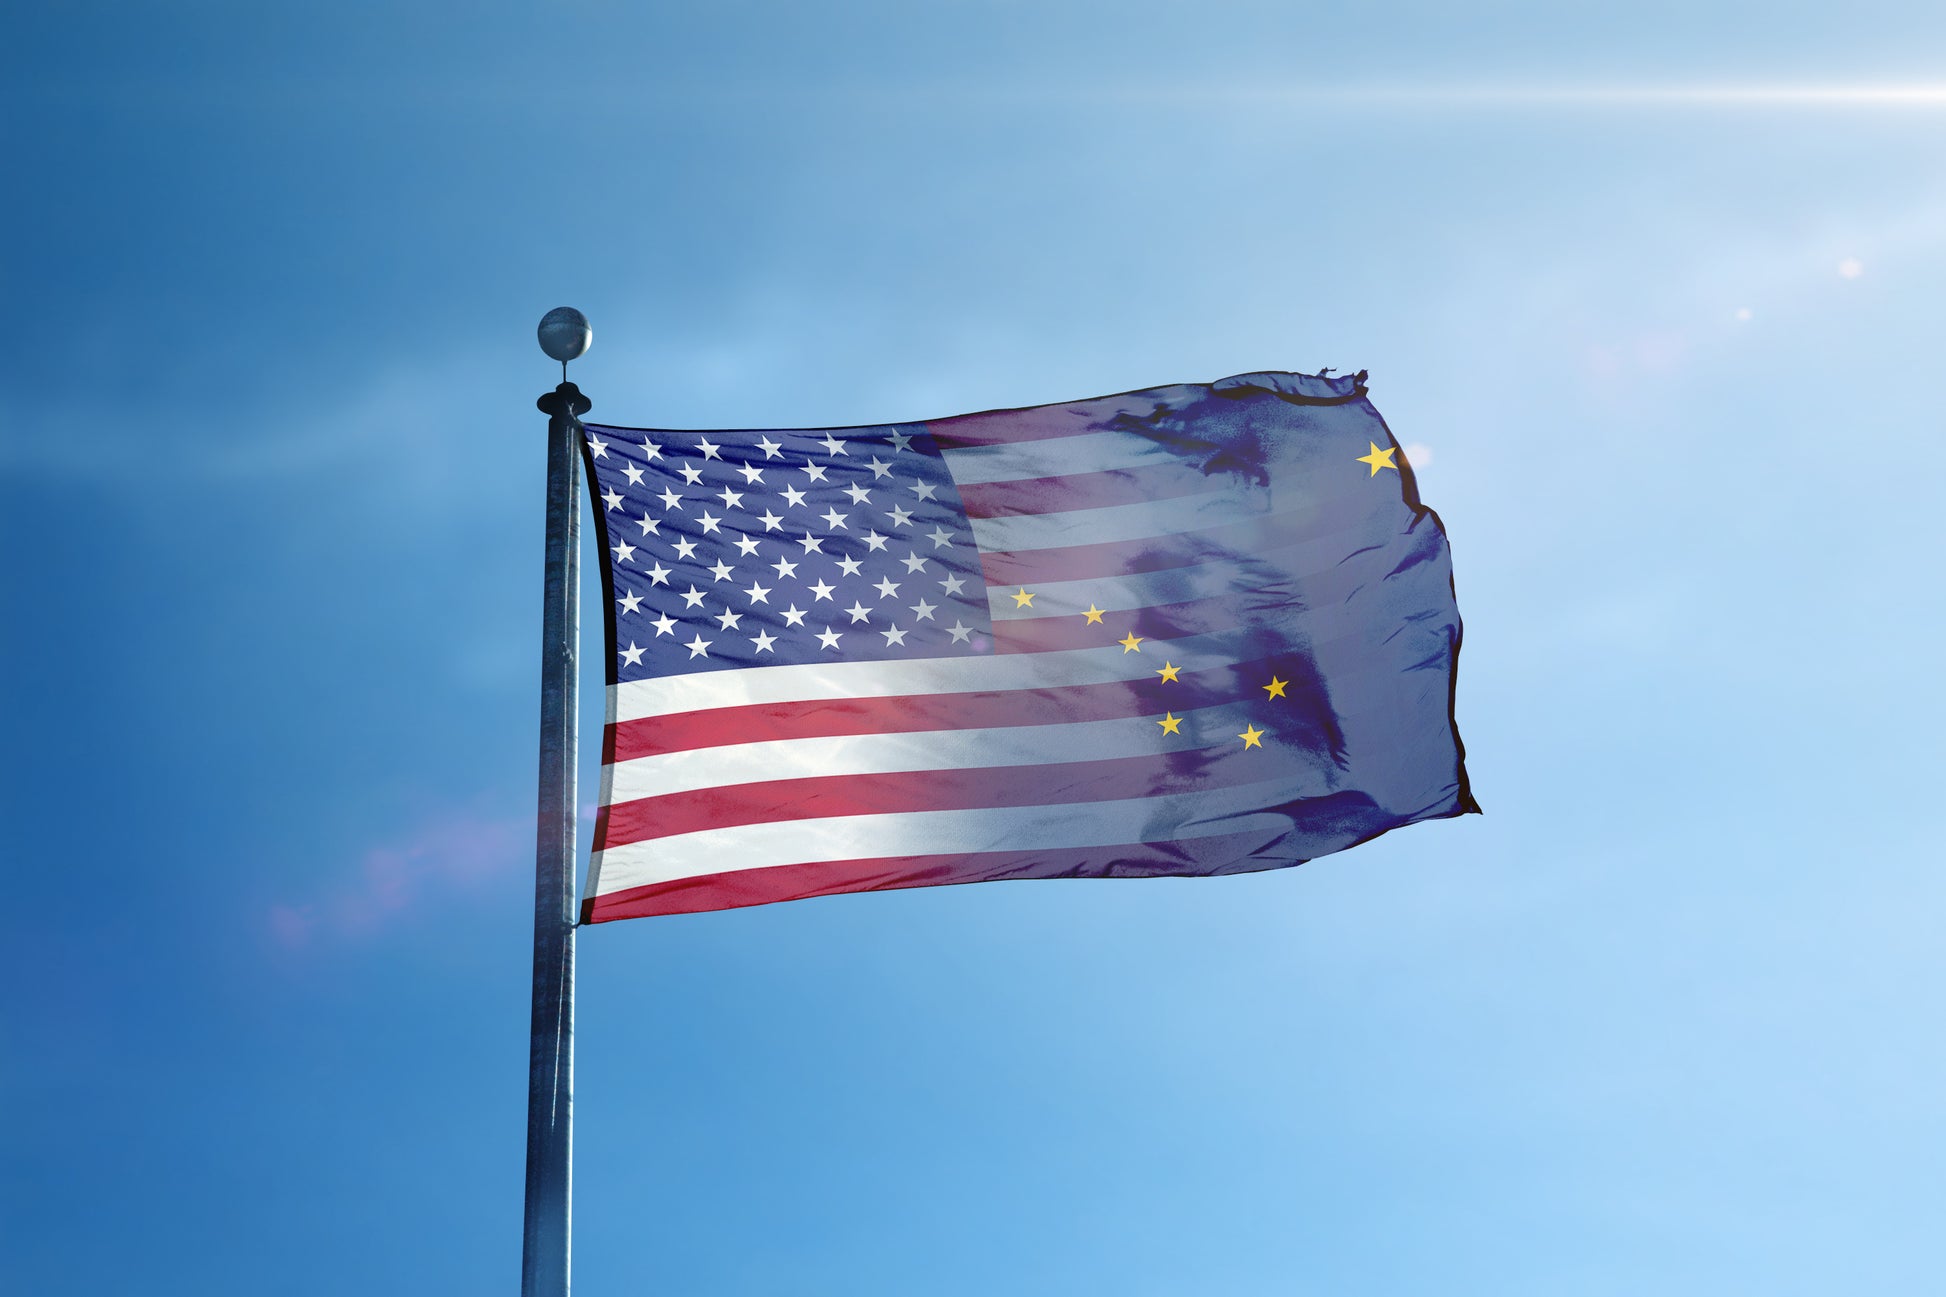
545	1252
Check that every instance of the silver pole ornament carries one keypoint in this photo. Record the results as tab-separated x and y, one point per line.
565	334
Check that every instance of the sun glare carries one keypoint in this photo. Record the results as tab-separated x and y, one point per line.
1861	95
1775	95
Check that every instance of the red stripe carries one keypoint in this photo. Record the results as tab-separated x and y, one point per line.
1036	495
1037	423
1068	631
774	801
1231	853
982	710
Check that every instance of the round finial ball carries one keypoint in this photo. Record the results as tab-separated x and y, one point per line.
565	334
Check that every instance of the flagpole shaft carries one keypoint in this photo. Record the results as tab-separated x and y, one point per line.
544	1263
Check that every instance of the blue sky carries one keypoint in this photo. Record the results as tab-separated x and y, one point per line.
270	469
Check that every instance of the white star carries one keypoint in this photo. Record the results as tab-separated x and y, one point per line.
763	639
959	630
664	624
769	447
811	543
874	541
901	517
858	494
698	647
952	584
752	475
651	451
708	448
633	474
893	636
685	548
693	599
596	446
886	587
828	638
728	620
746	545
792	616
721	571
879	468
770	521
611	498
731	499
859	612
758	594
923	489
691	474
913	563
783	567
822	591
901	441
624	551
632	656
709	522
793	497
832	446
658	575
630	601
848	566
649	526
814	472
670	500
833	519
923	610
940	537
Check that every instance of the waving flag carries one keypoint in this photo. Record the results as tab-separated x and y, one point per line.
1189	630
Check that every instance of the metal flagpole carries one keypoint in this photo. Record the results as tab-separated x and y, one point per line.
564	335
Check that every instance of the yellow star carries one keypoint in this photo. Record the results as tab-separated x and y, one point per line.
1252	737
1171	724
1022	599
1169	671
1379	458
1093	615
1129	642
1276	687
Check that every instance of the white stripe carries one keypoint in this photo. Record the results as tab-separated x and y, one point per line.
607	792
1094	452
706	690
929	833
1233	503
877	754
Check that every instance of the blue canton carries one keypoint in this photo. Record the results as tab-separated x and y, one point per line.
737	550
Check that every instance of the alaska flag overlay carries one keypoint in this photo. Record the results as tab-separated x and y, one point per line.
1197	629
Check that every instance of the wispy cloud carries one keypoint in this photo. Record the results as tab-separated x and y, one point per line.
390	422
440	859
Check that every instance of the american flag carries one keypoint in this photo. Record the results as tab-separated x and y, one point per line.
1197	629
